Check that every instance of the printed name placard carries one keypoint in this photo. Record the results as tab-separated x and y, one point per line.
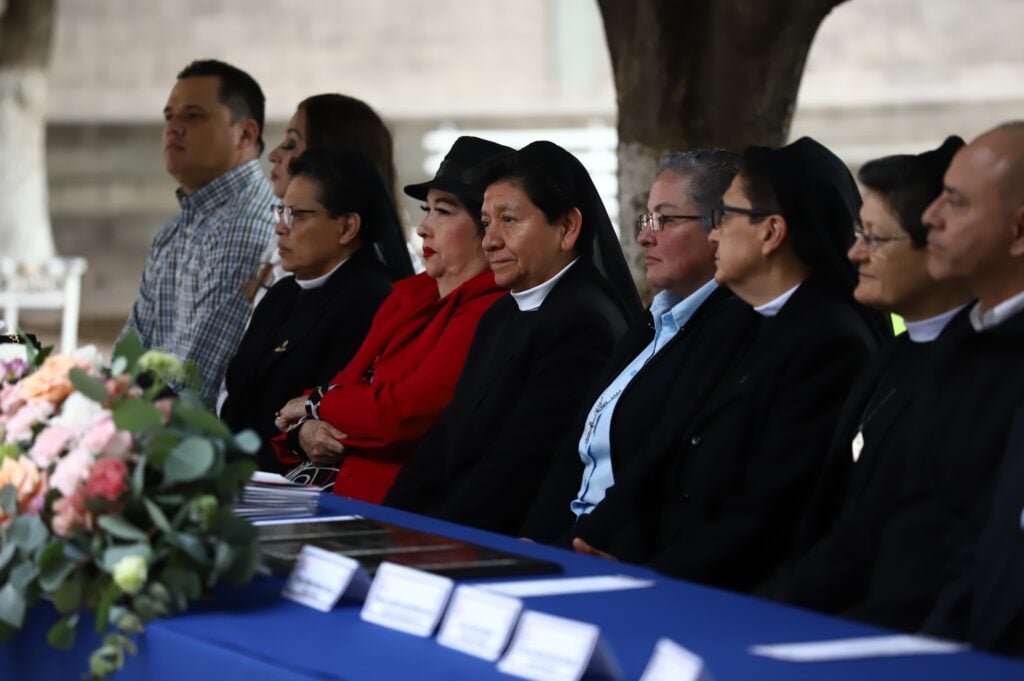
549	648
672	662
478	622
320	578
406	599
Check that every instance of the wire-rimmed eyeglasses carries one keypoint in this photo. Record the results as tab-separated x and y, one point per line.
286	214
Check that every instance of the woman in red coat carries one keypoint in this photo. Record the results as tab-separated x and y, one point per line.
356	432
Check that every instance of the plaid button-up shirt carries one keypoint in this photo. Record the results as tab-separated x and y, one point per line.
190	297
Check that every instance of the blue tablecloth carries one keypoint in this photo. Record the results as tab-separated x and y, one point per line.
251	633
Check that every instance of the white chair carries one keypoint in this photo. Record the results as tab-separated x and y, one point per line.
52	284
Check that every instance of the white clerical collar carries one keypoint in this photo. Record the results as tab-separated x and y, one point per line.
998	314
319	281
927	330
531	299
772	307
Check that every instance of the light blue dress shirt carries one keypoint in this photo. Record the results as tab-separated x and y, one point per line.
670	316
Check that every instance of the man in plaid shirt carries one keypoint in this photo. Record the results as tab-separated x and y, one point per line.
190	297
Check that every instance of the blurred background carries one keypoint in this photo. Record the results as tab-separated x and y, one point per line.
883	76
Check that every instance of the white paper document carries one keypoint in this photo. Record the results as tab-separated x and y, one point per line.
854	648
566	585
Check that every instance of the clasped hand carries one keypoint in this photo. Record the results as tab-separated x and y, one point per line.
320	441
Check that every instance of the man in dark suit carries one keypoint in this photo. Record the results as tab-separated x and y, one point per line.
535	353
665	365
717	498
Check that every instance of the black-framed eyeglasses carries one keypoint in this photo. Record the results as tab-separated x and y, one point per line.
658	221
719	212
872	241
286	214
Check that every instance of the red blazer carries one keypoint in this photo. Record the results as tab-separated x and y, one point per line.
400	380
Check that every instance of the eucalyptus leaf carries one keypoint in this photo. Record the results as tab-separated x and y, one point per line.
182	581
223	557
68	597
245	565
7	552
199	418
90	386
158	517
114	554
22	575
129	347
111	594
54	567
121	528
193	546
138	480
136	415
62	634
9	500
118	366
157	445
28	533
247	441
191	459
12	605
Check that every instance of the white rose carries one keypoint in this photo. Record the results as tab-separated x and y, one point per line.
130	574
12	351
78	411
90	354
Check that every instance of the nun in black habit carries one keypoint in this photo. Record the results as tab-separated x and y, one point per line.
340	236
718	498
535	353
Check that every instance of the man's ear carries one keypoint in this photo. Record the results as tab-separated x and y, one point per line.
1017	227
571	224
774	231
250	135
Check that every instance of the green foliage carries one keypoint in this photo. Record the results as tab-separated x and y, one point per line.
87	385
136	415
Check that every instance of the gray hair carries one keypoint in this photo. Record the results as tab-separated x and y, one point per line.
710	172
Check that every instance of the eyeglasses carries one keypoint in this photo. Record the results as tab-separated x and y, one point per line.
872	241
286	214
657	222
719	212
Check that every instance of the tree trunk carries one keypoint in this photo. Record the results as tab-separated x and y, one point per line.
701	73
26	36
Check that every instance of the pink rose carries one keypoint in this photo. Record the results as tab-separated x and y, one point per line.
50	442
107	480
104	438
10	399
69	512
20	425
72	469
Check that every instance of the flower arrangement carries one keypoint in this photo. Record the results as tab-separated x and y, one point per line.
114	500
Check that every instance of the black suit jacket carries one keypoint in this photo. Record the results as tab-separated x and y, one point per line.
837	540
524	379
721	500
298	339
962	429
984	604
666	390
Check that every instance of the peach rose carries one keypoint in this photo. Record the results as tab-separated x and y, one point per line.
50	382
70	512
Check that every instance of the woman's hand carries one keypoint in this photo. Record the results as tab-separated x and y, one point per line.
290	413
319	440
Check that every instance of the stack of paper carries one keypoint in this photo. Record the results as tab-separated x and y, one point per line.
269	495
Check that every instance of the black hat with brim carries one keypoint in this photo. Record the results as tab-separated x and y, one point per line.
459	171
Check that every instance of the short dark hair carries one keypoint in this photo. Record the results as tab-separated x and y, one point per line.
908	183
334	175
710	171
342	123
539	186
238	91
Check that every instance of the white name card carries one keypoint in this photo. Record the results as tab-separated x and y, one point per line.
320	578
479	623
406	599
672	662
549	648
